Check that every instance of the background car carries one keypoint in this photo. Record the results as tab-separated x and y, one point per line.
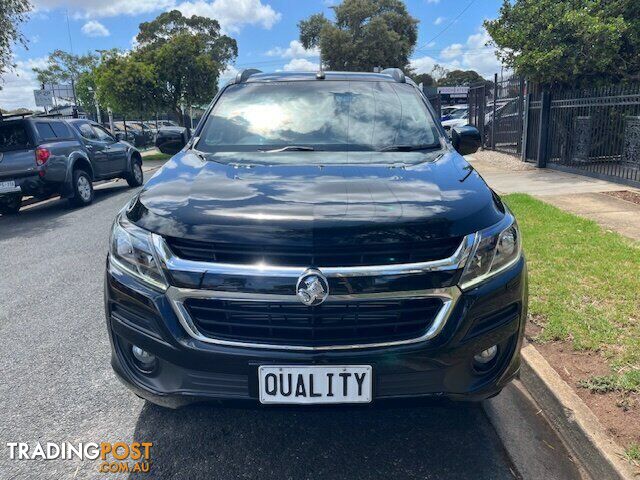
41	157
458	118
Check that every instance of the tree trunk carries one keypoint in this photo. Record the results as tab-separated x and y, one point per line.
178	112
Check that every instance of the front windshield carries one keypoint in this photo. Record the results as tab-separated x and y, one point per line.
320	115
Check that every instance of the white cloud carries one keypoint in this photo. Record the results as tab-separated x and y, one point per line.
478	56
452	51
227	74
431	44
93	28
473	55
233	14
439	20
295	50
17	86
100	8
300	64
423	64
433	1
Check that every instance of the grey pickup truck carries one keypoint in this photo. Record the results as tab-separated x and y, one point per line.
42	156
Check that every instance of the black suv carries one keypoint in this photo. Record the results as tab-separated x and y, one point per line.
318	240
42	156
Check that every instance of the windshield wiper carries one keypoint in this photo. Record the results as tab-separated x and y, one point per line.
409	148
290	148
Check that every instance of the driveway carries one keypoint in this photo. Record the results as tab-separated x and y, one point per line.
57	385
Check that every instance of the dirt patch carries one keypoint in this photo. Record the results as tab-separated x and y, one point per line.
627	195
618	412
499	160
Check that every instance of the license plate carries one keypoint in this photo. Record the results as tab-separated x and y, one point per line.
8	185
315	384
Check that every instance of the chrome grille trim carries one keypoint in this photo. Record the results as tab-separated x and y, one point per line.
171	262
177	296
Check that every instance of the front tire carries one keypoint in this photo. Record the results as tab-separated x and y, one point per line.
82	189
135	177
10	204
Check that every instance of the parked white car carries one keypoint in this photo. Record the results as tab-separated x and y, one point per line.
457	118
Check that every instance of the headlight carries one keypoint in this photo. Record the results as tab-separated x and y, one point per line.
131	250
497	248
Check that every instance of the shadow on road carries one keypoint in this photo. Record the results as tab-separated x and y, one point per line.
32	222
428	440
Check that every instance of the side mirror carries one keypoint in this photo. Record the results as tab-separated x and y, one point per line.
466	139
171	140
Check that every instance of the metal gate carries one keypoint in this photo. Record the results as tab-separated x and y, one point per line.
497	111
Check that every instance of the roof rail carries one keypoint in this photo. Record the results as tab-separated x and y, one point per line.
243	75
395	73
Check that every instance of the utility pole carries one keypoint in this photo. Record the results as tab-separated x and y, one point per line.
73	83
95	100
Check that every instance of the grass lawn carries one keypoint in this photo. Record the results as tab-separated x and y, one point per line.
155	156
584	288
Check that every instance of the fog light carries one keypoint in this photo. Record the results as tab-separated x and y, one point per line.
486	356
144	360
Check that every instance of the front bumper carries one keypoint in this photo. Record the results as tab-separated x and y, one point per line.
190	370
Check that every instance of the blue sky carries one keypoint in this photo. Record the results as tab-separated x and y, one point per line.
450	33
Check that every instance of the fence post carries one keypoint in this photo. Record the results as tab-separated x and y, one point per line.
543	135
520	109
493	114
482	100
525	128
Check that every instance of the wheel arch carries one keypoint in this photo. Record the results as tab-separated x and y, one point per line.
134	155
80	161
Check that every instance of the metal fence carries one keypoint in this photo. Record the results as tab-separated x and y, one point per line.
594	132
497	111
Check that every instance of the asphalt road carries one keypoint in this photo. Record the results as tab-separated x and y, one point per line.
57	385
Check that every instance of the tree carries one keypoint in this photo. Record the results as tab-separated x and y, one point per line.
464	78
127	85
66	68
424	78
12	14
438	72
570	42
186	56
364	35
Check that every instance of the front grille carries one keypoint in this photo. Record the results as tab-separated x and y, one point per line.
331	256
331	323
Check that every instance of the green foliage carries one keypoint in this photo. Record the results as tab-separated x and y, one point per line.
12	14
154	157
85	89
632	453
571	261
424	78
456	78
127	85
186	55
628	381
571	42
65	67
364	35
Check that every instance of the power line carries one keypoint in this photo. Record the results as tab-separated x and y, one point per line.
447	26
